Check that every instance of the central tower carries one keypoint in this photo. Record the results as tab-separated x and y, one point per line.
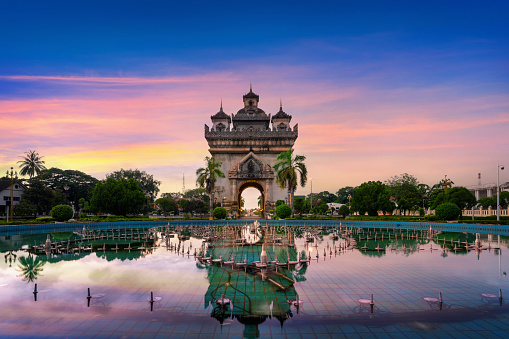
247	145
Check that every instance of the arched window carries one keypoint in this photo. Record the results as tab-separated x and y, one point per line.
281	127
220	127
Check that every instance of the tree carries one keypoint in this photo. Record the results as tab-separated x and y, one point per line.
343	193
146	182
487	202
62	212
198	193
325	197
371	197
322	207
283	211
25	208
219	213
344	211
299	205
30	267
79	185
39	197
198	206
167	205
84	206
279	202
286	172
117	196
404	178
436	196
31	164
461	197
207	176
201	195
171	195
404	188
185	206
504	199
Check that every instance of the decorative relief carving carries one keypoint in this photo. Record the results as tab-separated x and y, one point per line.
251	167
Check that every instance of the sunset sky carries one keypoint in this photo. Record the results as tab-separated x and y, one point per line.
378	88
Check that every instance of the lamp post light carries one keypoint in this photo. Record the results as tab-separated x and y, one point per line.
66	188
12	176
499	167
445	183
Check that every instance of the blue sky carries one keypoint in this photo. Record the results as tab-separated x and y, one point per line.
405	84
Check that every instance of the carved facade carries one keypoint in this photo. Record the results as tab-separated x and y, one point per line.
247	144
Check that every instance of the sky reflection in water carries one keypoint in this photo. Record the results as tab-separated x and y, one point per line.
329	287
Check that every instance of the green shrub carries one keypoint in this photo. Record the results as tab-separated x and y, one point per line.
219	213
283	211
45	219
431	217
447	211
62	212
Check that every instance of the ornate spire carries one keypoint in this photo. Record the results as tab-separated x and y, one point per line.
221	109
280	104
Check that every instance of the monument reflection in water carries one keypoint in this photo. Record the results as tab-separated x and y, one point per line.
253	279
252	272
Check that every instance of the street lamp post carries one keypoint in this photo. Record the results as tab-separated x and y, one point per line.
12	176
499	167
66	188
445	183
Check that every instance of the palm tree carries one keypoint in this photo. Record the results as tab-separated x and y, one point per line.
30	268
286	172
206	178
31	164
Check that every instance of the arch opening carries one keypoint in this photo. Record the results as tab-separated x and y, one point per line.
252	189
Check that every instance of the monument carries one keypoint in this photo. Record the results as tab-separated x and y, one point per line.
247	145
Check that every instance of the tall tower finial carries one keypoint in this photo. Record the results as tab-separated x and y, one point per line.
221	104
280	103
250	87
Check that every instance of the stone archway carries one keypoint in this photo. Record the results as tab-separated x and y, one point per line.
251	171
247	145
252	184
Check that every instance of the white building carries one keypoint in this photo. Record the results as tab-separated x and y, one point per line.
334	205
5	195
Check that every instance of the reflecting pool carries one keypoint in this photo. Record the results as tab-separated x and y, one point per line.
252	280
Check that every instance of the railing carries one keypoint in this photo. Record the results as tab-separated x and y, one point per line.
481	212
71	227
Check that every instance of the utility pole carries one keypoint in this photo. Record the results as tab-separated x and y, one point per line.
499	167
12	176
